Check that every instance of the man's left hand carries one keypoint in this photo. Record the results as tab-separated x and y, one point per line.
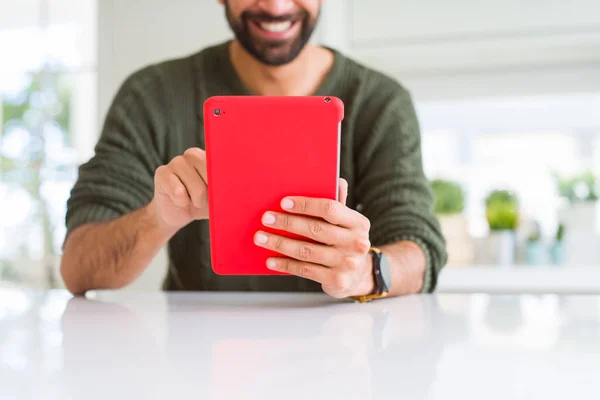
337	253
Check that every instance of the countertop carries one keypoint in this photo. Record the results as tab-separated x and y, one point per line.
297	346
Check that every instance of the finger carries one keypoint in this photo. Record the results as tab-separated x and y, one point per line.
314	272
334	283
330	210
197	158
317	230
343	191
168	184
300	250
193	182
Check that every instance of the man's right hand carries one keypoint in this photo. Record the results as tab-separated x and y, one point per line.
181	190
112	254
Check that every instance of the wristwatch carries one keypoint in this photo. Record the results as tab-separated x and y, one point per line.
382	275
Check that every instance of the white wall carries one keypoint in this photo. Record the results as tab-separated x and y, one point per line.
134	33
467	48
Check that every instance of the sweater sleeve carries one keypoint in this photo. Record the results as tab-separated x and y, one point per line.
119	178
392	188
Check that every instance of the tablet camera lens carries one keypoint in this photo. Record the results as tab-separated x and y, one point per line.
327	99
217	112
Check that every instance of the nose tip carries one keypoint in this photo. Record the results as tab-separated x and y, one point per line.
277	7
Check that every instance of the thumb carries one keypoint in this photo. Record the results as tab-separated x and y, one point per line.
343	191
202	165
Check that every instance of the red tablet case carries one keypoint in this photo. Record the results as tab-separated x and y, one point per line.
260	149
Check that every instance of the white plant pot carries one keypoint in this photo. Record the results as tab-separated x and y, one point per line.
499	248
459	243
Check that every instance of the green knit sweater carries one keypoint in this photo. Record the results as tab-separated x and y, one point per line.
157	115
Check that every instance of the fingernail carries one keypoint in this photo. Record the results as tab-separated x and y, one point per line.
271	264
268	219
287	204
261	238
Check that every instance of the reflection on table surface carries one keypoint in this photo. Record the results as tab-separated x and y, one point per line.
264	346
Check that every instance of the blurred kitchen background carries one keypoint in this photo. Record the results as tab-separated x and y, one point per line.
508	96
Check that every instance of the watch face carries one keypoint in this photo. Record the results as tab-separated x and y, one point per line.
386	272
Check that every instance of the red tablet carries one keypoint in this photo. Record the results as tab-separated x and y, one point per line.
260	149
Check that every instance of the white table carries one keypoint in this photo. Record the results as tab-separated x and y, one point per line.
273	346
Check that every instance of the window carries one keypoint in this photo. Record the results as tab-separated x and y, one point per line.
48	107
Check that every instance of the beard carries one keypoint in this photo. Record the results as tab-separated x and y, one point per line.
272	52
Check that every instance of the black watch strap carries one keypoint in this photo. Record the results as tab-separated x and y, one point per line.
381	277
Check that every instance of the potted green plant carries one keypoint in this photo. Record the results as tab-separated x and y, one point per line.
580	198
449	199
578	188
502	214
502	211
579	215
557	251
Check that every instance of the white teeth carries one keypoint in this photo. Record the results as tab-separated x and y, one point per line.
276	27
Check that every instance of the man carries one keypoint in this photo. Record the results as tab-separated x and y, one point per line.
146	185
